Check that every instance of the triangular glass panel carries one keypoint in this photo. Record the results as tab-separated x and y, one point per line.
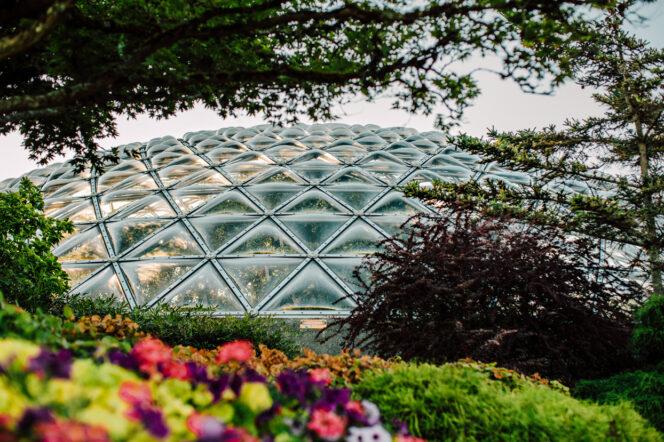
393	225
278	175
408	154
358	239
232	202
78	188
395	203
172	174
347	153
111	202
313	229
104	284
142	181
173	241
352	175
265	239
273	195
204	178
217	230
260	142
311	289
242	172
421	176
257	277
88	246
222	155
124	234
356	196
315	158
154	206
205	288
285	152
189	199
315	172
388	171
82	212
317	141
314	201
150	278
344	268
78	272
370	140
381	157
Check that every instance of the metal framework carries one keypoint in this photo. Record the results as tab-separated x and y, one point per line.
262	219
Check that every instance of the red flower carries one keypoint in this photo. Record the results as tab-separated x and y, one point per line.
174	369
320	375
327	424
355	407
135	393
67	431
240	351
149	353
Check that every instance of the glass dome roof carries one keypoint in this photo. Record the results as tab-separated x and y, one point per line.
259	219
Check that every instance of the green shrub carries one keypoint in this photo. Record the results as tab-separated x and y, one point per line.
648	335
457	402
30	274
193	326
644	389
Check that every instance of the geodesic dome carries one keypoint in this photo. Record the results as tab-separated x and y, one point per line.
260	219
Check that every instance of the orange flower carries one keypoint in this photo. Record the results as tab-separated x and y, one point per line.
240	351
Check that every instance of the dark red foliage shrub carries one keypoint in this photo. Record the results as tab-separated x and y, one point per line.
524	296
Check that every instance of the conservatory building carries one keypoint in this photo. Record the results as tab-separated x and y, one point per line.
261	219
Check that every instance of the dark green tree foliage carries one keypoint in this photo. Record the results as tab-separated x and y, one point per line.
68	68
648	336
644	389
527	297
617	155
30	274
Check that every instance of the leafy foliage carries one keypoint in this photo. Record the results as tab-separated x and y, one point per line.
601	176
527	297
644	389
30	274
648	336
457	402
70	67
191	327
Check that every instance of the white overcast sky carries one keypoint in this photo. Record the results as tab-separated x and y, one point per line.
501	105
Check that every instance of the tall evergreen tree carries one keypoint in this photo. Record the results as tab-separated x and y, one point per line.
599	176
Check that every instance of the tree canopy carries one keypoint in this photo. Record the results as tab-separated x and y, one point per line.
69	68
599	176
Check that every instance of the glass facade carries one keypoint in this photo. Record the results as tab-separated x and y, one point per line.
260	219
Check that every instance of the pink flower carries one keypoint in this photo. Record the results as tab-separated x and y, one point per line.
204	426
176	370
327	424
240	351
135	393
355	408
149	353
408	438
320	375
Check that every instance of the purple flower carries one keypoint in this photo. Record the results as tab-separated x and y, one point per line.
56	364
32	417
333	398
251	375
217	386
295	384
197	373
122	359
152	420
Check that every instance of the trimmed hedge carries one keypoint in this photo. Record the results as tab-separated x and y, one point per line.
648	337
458	402
194	327
644	389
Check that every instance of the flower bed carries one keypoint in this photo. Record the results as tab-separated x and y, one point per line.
147	394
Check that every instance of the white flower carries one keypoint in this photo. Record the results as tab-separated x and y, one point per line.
426	185
371	412
368	434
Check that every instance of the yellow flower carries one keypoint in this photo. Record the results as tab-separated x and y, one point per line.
256	396
17	350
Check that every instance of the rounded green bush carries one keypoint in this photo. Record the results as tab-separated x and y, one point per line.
457	402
